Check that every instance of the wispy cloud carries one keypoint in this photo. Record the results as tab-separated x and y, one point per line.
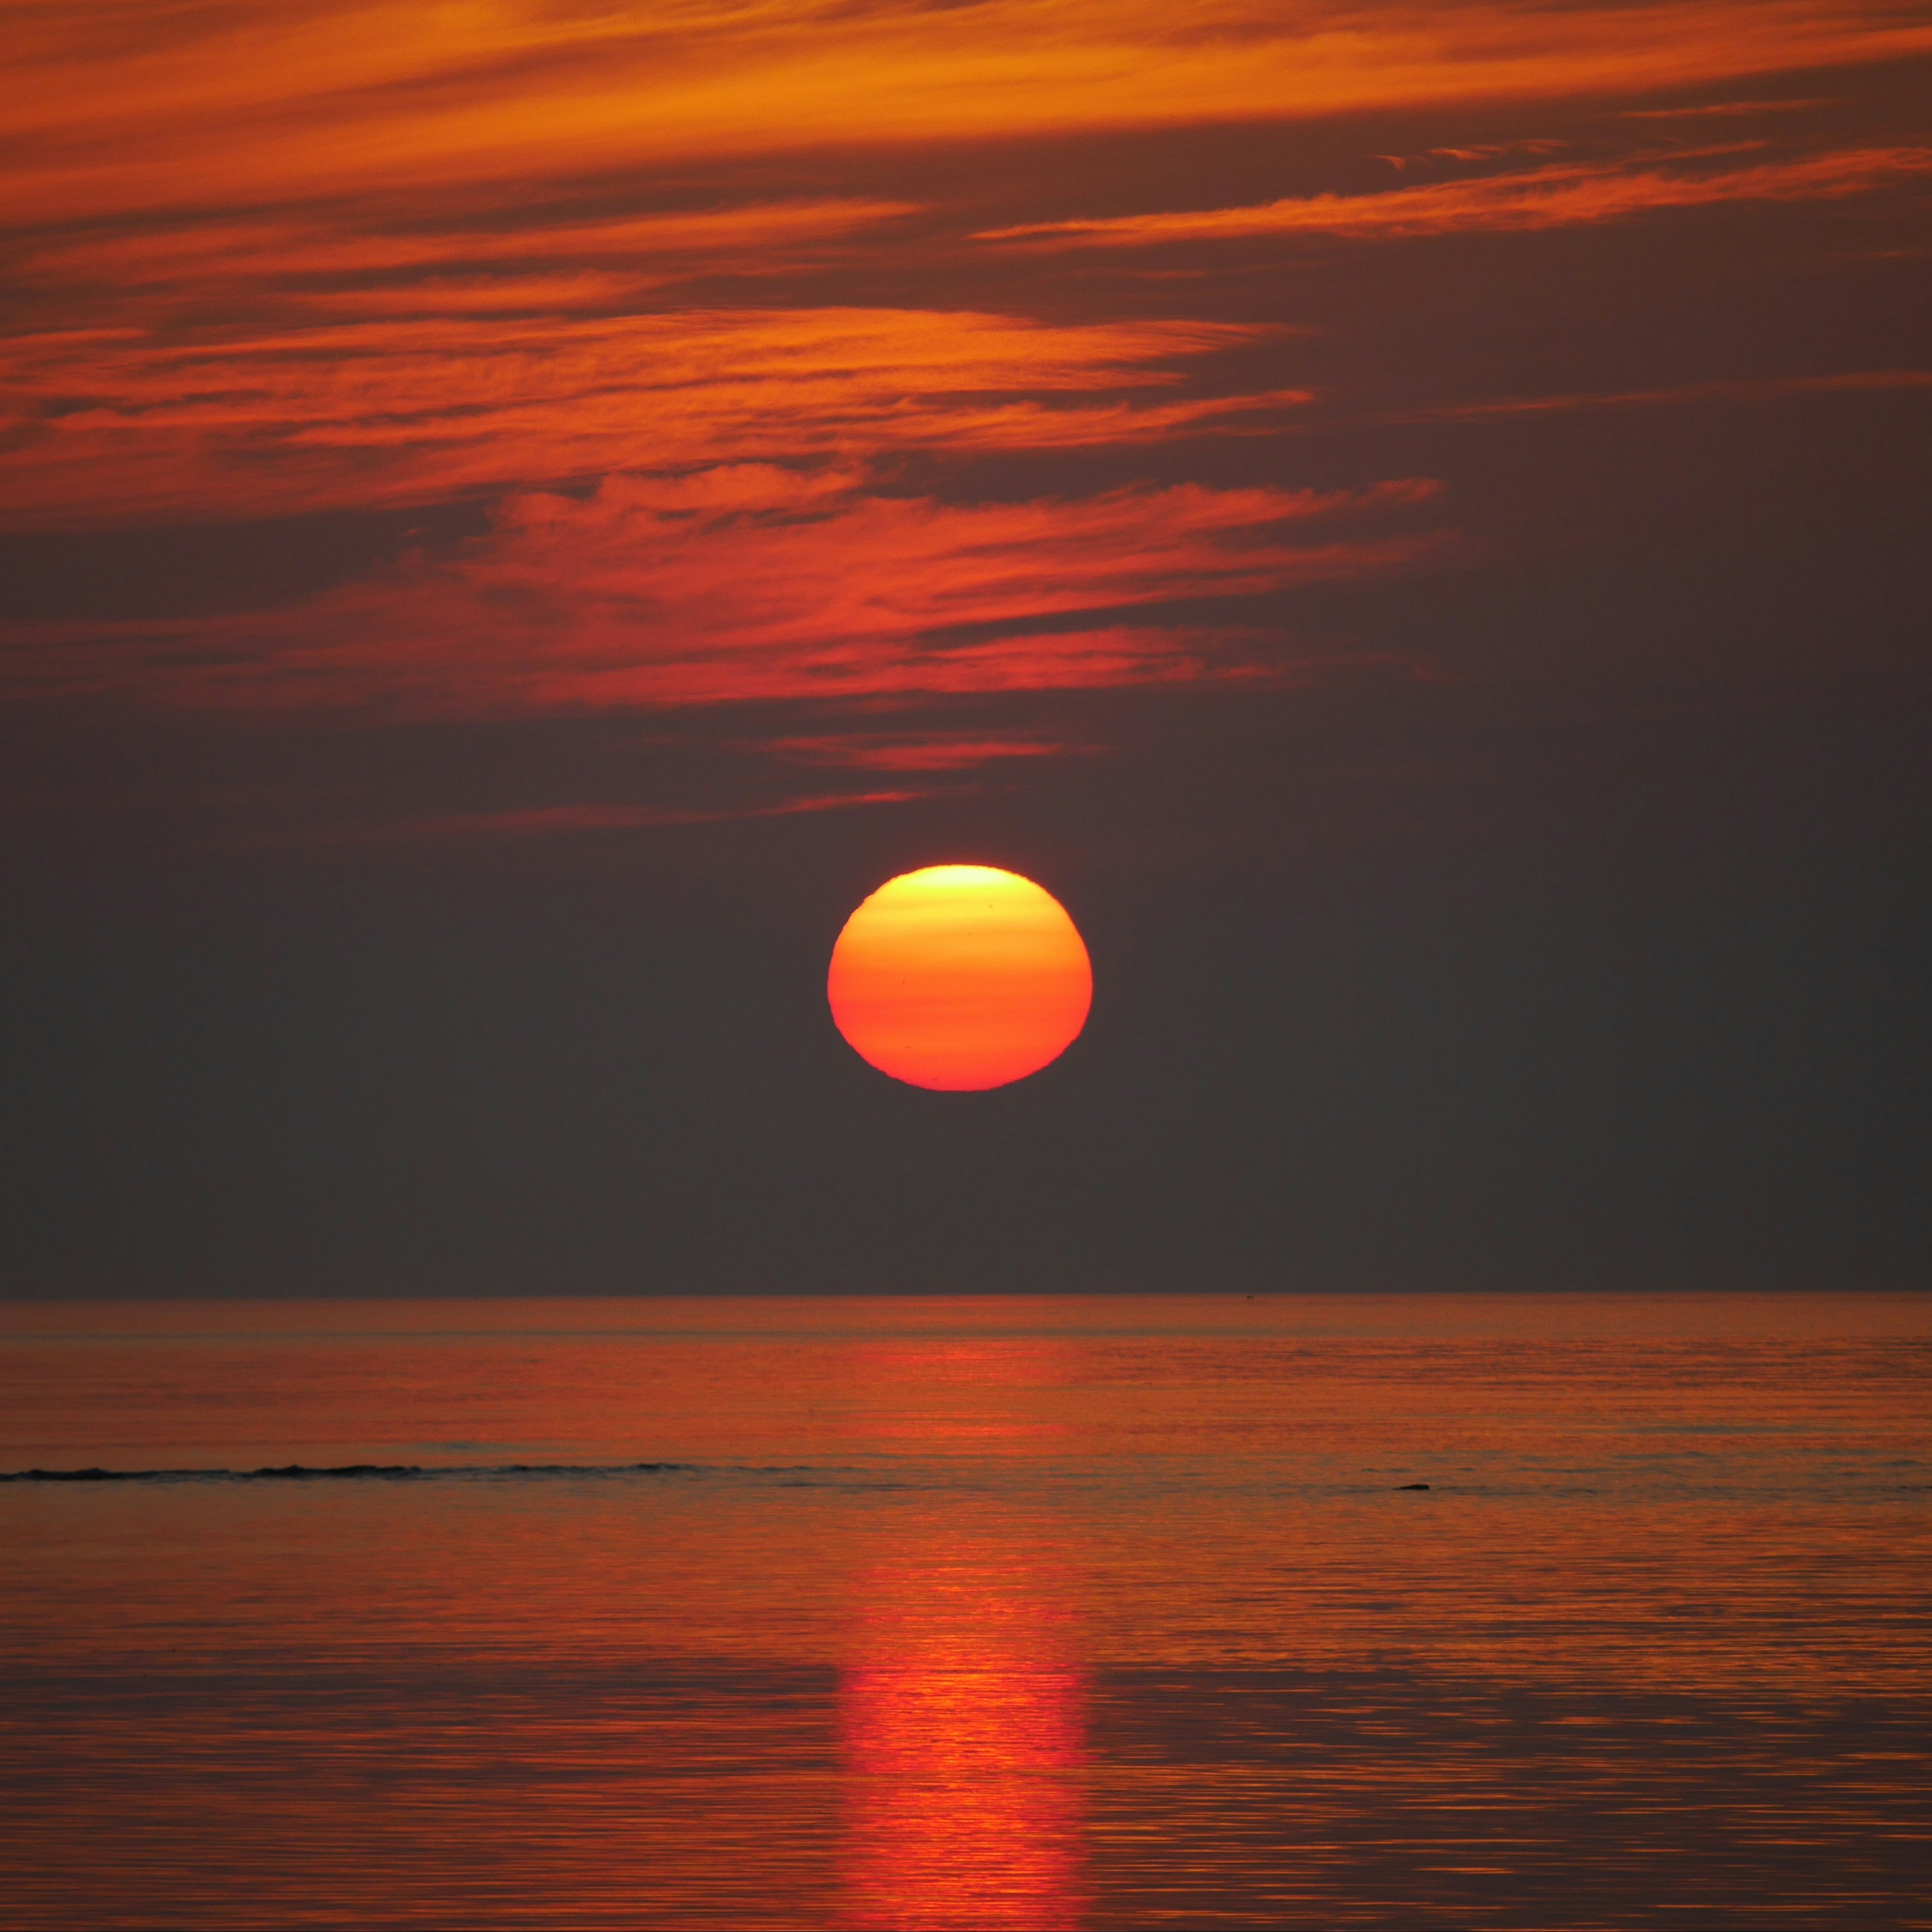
1488	151
258	261
116	109
1723	110
650	285
750	582
114	426
1539	198
553	821
1770	389
942	751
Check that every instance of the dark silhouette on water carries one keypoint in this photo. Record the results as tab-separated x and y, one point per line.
302	1472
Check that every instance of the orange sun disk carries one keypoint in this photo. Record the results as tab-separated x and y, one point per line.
960	978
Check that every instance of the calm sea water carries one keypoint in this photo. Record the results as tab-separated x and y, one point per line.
1102	1612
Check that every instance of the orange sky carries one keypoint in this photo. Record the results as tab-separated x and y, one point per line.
759	353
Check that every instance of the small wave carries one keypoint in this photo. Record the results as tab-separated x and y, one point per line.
303	1472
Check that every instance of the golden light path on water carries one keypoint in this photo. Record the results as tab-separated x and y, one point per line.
962	1717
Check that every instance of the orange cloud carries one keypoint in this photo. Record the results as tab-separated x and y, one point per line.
319	269
749	582
1552	197
1488	151
1723	110
253	256
116	425
116	109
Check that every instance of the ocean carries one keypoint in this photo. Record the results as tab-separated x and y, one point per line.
1559	1612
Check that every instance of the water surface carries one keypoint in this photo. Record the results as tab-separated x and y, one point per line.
1100	1613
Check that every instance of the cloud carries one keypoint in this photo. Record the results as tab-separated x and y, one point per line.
247	258
1488	151
116	109
1771	389
752	582
1539	198
552	821
1723	110
119	425
942	751
270	263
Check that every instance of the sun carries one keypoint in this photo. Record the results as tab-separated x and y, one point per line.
960	978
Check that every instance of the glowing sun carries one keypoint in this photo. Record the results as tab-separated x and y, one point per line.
960	978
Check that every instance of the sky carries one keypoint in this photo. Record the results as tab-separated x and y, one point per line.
516	515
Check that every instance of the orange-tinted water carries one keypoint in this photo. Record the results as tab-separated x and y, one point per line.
1102	1612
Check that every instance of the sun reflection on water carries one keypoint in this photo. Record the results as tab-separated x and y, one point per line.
962	1723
